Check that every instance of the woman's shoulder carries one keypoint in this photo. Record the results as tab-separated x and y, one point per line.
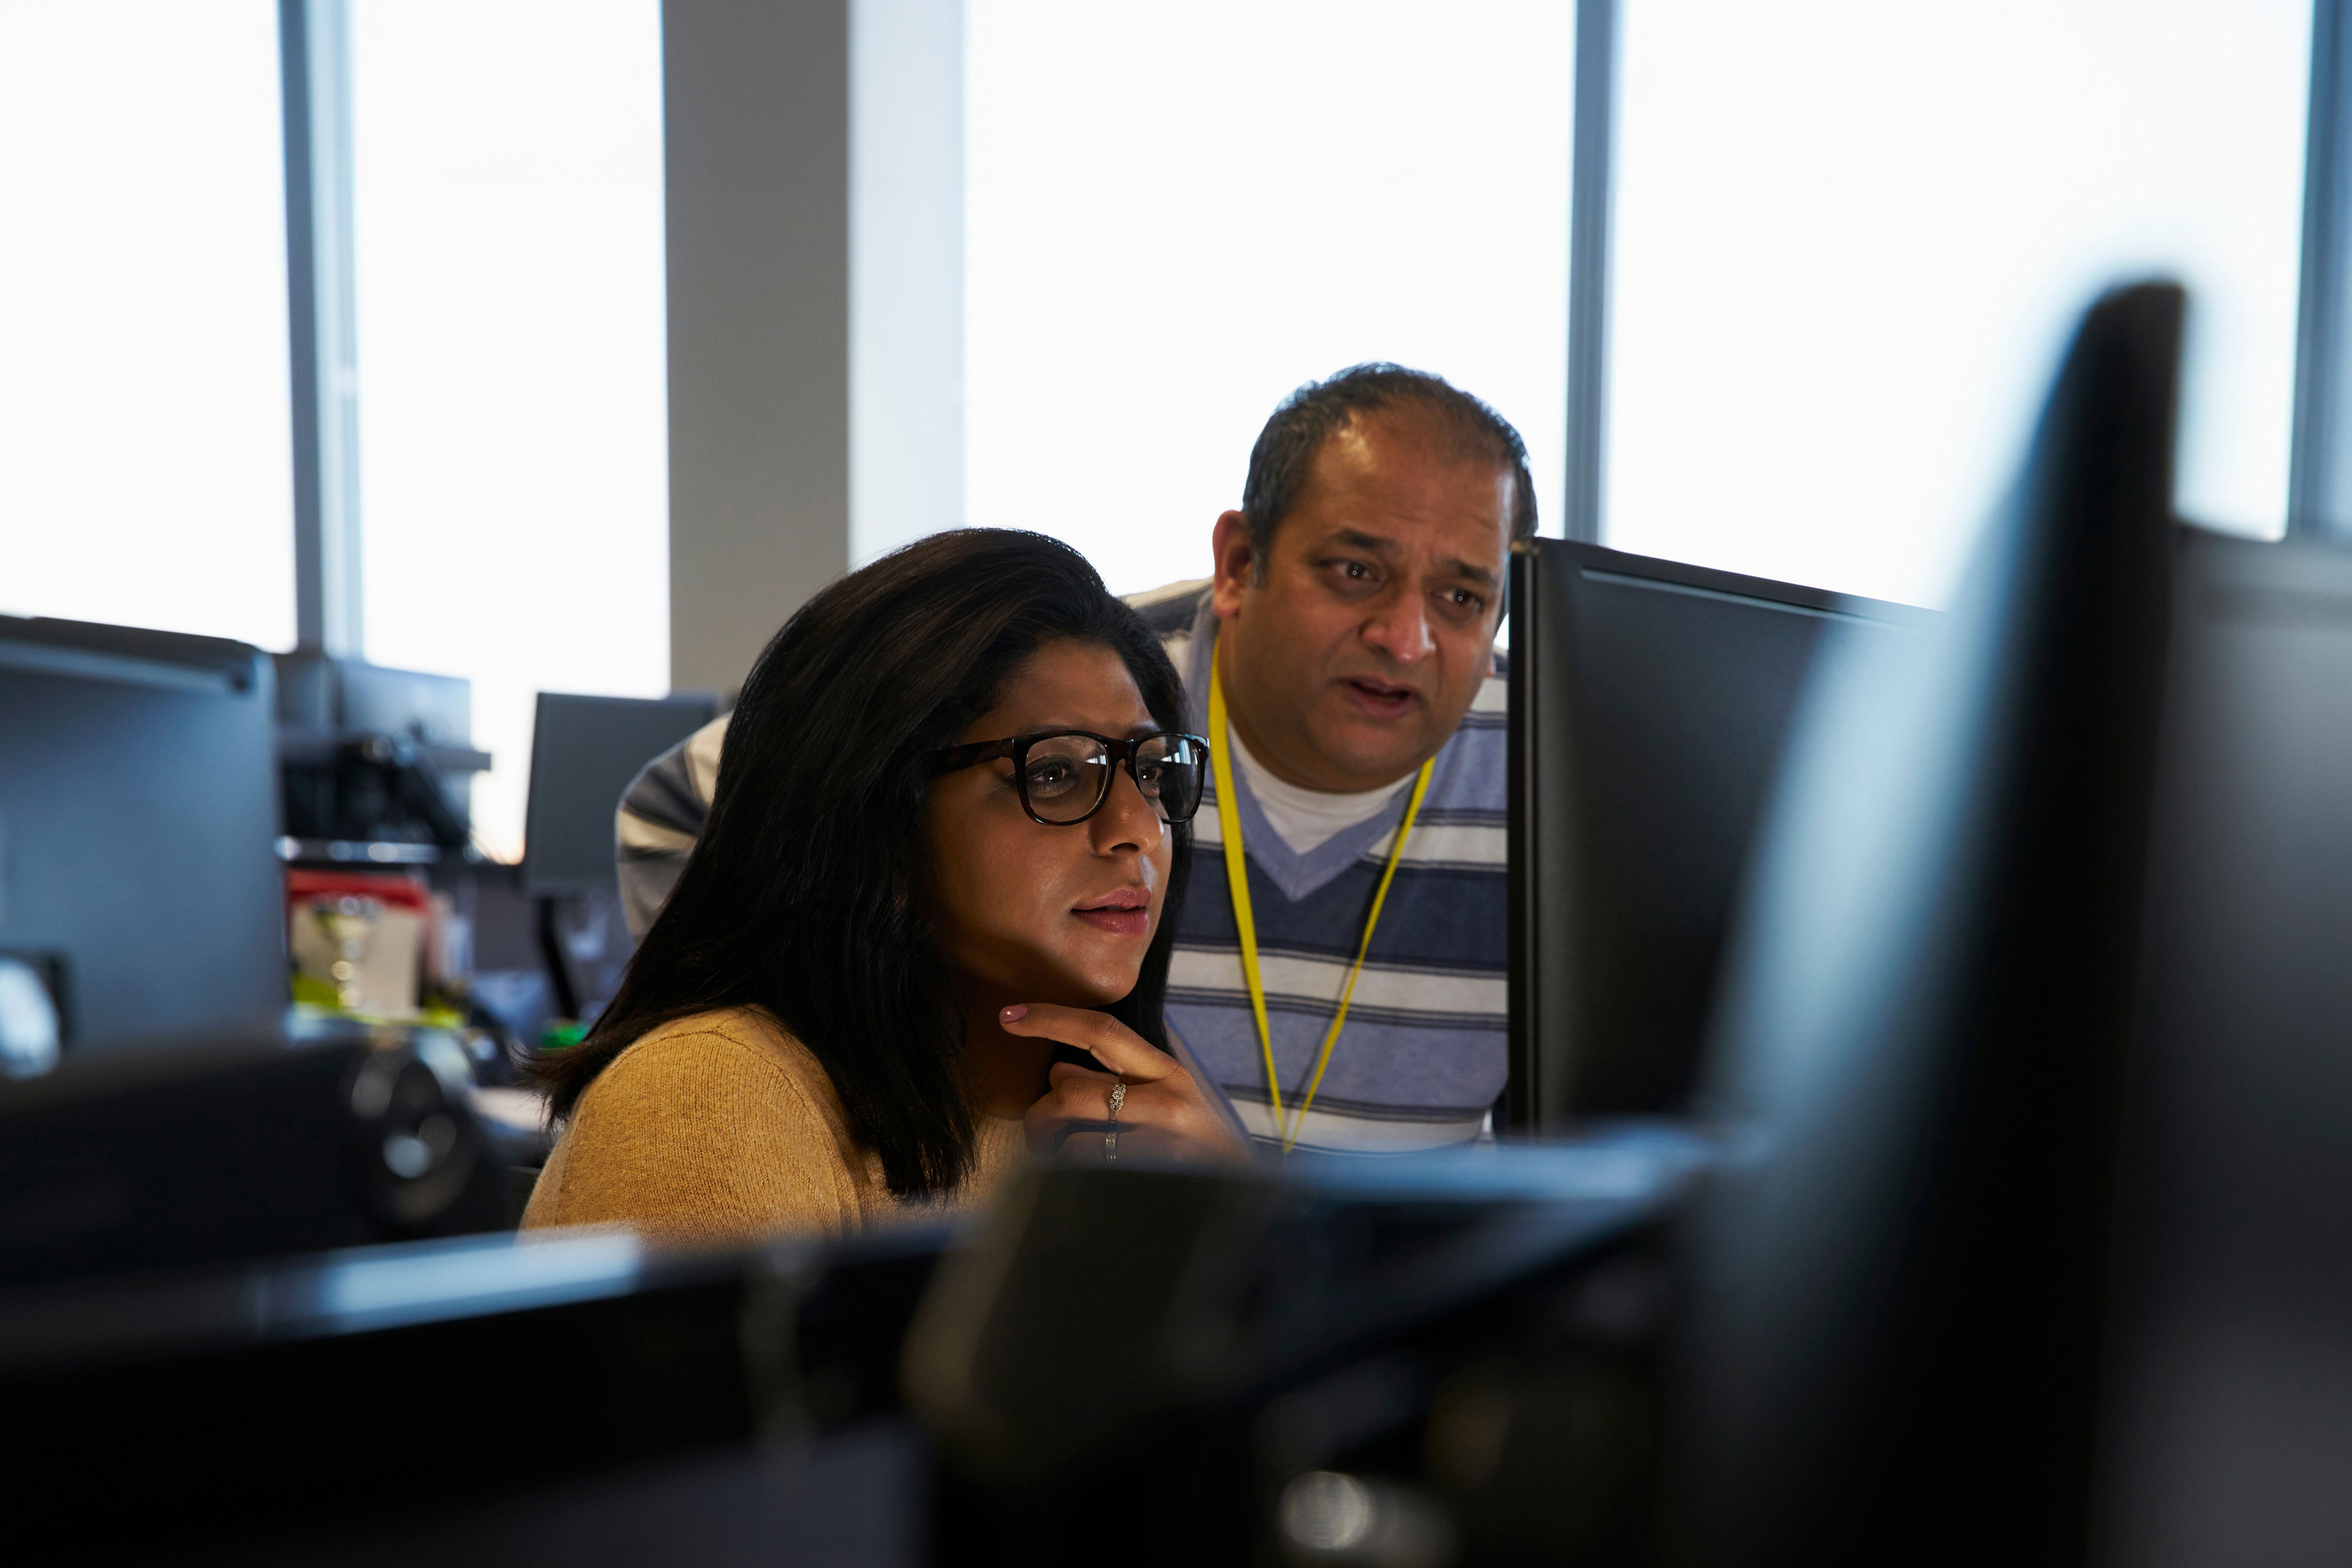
741	1038
731	1057
717	1124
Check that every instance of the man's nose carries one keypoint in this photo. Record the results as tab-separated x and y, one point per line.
1399	629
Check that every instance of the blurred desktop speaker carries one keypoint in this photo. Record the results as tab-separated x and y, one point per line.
222	1152
584	752
138	888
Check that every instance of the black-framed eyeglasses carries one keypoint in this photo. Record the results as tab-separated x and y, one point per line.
1064	775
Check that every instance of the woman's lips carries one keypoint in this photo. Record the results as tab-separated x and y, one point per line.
1127	913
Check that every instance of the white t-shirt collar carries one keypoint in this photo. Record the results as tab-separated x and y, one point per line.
1307	818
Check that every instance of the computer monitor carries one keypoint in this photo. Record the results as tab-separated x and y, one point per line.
2223	1438
584	752
138	821
1908	1315
1648	703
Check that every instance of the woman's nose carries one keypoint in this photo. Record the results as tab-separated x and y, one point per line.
1128	820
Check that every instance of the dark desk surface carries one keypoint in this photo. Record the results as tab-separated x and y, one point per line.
584	1398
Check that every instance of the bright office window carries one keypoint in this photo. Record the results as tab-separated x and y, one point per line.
1852	236
513	445
1177	214
146	472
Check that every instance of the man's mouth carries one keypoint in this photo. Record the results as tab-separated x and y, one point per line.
1122	911
1379	699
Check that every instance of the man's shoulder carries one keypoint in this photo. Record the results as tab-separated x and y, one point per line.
1170	610
1473	780
1490	705
674	791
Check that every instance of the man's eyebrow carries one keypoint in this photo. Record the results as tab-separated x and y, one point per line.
1357	539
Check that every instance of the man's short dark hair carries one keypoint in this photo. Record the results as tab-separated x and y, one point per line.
1320	410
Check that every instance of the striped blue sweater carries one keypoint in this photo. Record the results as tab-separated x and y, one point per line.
1421	1059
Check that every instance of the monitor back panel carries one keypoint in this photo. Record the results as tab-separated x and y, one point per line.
584	752
138	820
2229	1372
1649	699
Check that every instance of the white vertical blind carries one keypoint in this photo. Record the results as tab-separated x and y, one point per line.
1852	235
1178	214
145	451
513	441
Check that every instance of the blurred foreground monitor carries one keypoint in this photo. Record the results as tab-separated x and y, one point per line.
2222	1422
905	1397
221	1150
2032	1047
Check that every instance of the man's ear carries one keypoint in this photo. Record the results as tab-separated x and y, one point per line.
1229	547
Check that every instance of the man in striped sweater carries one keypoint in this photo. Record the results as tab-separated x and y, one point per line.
1347	642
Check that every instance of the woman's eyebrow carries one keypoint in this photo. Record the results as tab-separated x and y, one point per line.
1136	730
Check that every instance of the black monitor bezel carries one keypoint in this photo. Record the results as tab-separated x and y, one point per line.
1519	1113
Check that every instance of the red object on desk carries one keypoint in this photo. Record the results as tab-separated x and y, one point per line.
395	889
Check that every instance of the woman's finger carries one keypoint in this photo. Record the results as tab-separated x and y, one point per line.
1079	1095
1080	1138
1074	1086
1114	1045
1080	1103
1059	1071
1087	1146
1166	1109
1088	1088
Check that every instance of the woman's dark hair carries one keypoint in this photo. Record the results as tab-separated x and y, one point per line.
804	893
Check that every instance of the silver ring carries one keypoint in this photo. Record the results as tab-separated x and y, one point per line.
1110	1146
1117	1098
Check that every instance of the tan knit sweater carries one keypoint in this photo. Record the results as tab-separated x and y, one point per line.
722	1127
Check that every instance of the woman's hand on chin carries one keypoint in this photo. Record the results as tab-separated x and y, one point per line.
1162	1116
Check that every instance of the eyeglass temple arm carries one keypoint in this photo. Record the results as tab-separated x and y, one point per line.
958	757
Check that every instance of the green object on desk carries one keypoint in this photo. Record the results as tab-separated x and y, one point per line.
556	1037
316	992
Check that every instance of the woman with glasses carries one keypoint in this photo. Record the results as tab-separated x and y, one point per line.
927	927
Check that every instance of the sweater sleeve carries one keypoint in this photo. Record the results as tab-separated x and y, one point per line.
698	1137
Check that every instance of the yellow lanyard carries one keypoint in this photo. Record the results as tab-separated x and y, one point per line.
1229	823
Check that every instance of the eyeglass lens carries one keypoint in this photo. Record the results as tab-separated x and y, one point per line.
1065	777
